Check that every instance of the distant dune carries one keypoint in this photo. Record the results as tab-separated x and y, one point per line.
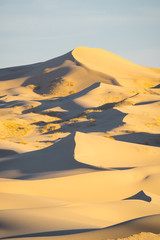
79	149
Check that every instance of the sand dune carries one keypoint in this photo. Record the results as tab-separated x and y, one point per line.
79	149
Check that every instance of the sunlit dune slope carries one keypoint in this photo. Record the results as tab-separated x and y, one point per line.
79	68
124	71
79	149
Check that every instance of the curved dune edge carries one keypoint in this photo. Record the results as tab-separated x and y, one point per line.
141	229
140	236
76	70
100	152
124	71
79	148
97	155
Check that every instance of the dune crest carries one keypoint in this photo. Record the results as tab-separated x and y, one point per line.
79	149
124	71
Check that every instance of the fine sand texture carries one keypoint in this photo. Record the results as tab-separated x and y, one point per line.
80	149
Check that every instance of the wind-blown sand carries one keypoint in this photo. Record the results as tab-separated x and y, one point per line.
79	149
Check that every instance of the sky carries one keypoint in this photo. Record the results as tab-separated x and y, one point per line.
37	30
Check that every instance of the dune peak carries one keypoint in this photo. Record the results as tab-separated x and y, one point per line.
79	148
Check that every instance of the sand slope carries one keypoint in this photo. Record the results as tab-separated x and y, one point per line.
79	149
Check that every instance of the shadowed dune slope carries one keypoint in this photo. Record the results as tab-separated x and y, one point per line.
149	224
79	149
56	158
78	69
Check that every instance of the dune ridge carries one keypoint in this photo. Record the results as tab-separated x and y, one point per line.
79	149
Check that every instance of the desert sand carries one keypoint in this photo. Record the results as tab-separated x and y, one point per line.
79	149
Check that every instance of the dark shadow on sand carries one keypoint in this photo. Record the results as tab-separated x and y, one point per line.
140	196
150	139
51	233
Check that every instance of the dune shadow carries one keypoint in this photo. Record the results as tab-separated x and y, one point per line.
147	102
137	225
16	72
57	157
94	121
52	72
140	196
6	152
65	102
157	86
149	223
11	104
51	233
105	117
47	82
31	70
140	138
49	73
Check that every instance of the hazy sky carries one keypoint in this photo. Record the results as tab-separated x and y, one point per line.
38	30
